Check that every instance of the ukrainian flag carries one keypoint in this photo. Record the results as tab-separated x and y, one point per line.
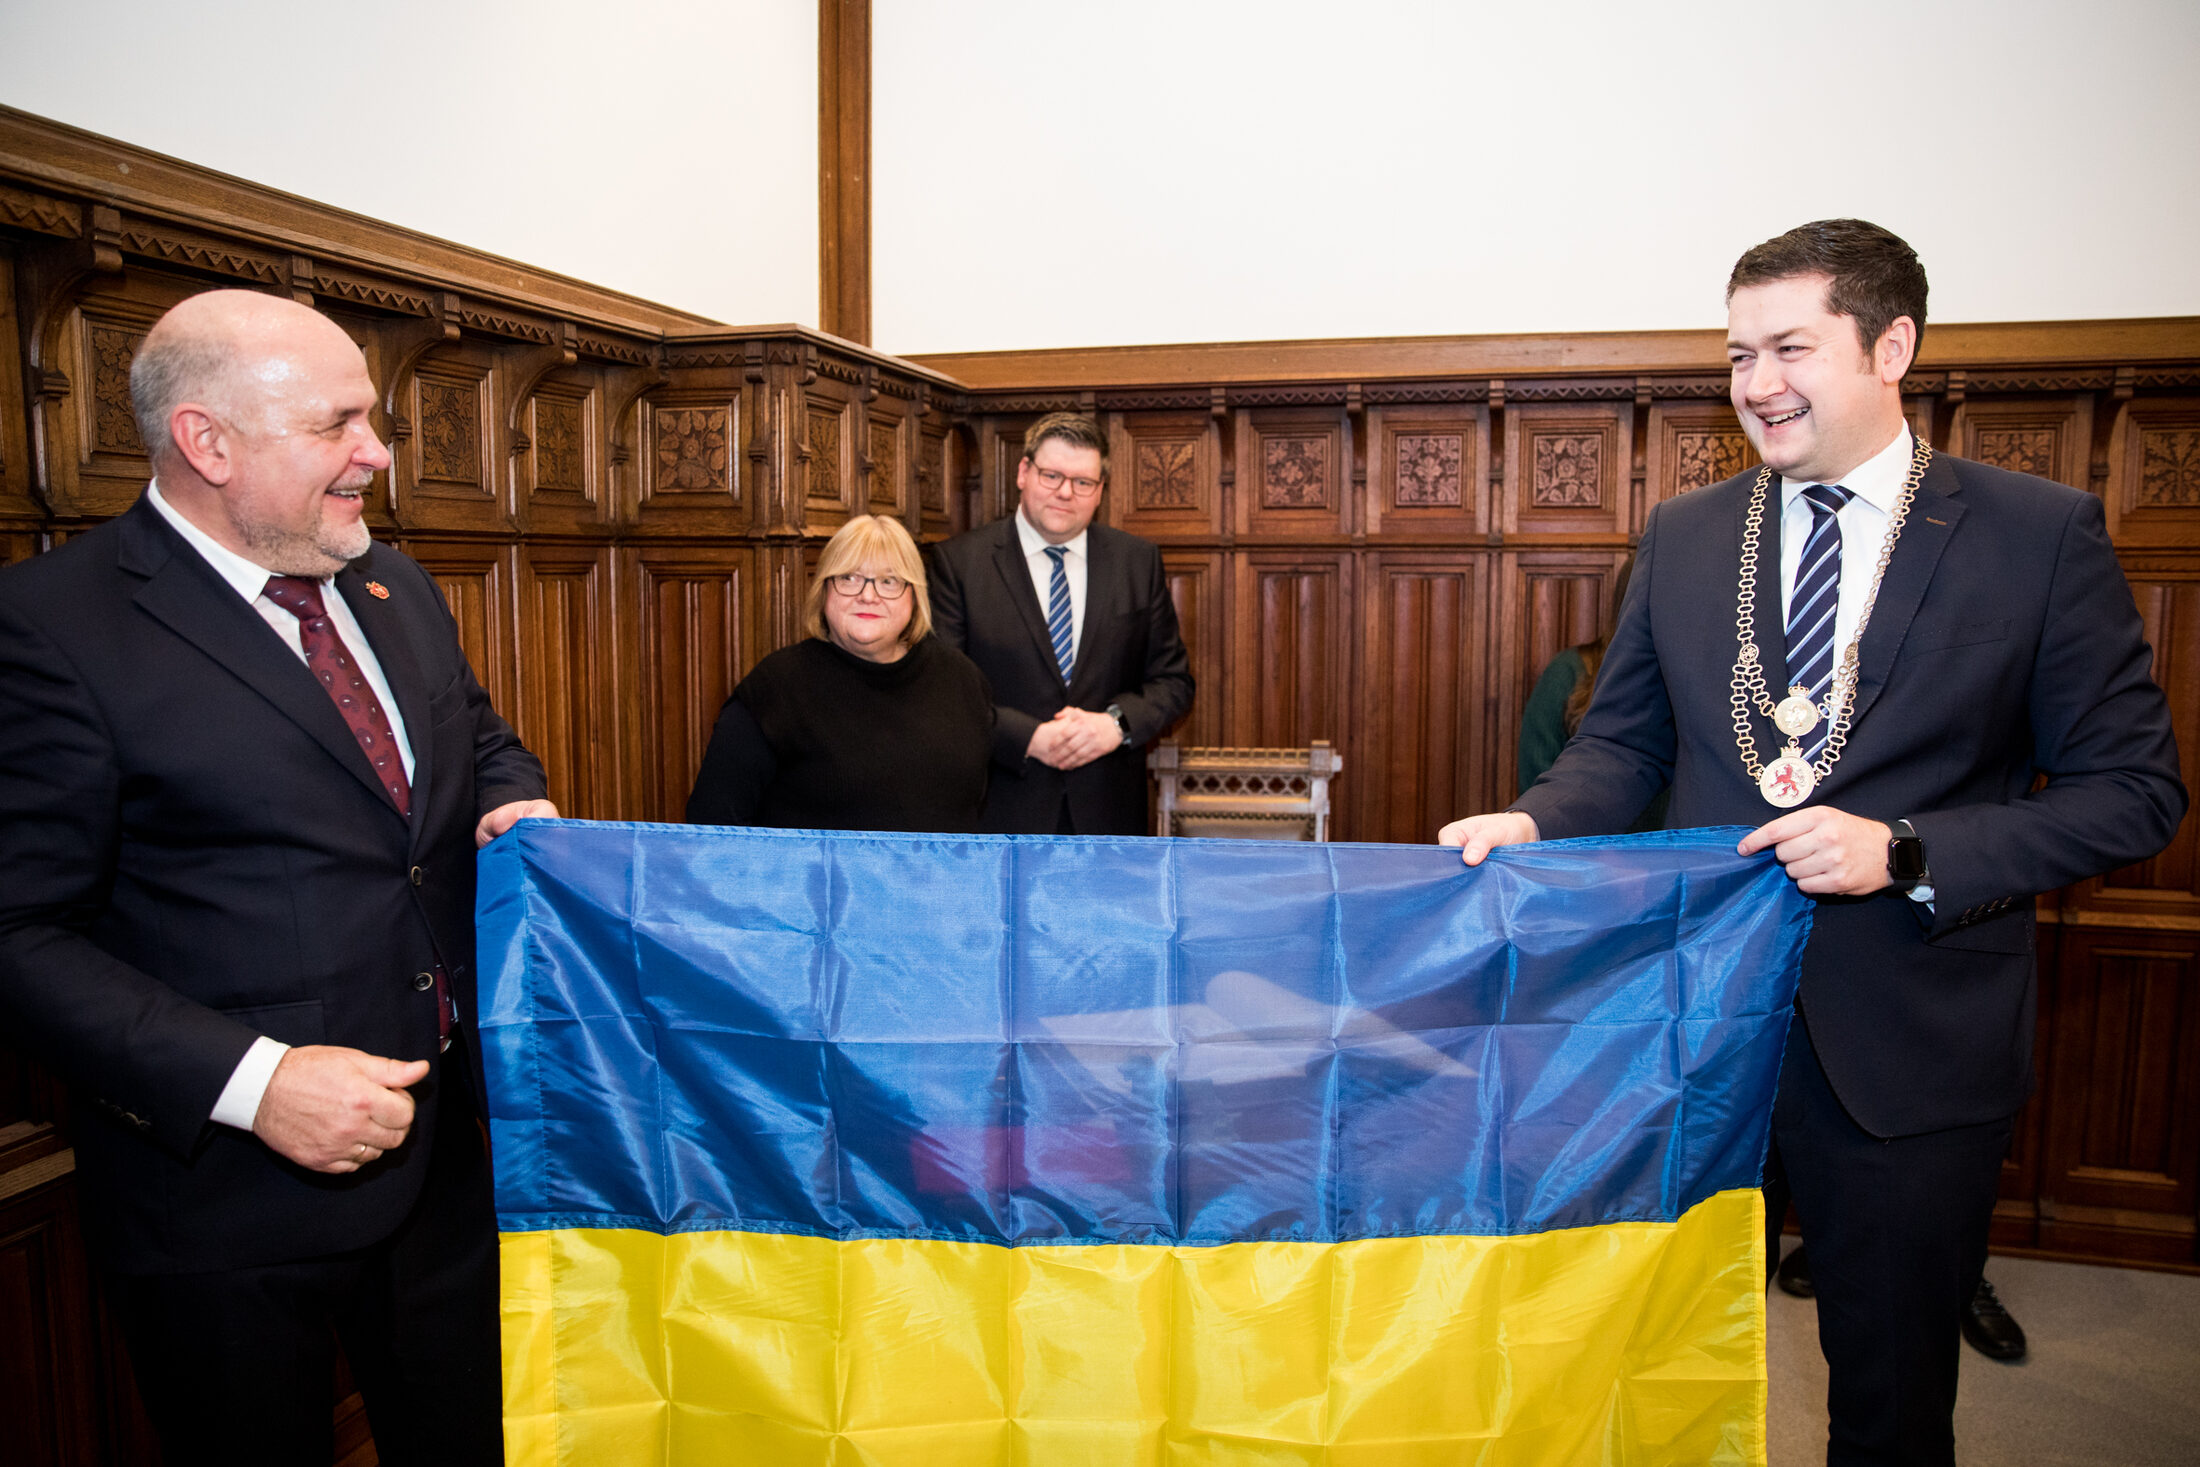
901	1149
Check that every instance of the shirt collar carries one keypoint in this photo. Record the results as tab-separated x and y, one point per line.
1877	481
1035	543
248	579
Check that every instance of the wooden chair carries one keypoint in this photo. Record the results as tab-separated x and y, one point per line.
1244	794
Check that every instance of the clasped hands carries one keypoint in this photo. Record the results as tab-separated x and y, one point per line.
1826	852
1074	737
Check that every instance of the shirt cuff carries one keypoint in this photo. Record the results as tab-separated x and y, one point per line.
239	1105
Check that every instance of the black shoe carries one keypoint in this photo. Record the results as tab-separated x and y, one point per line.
1794	1275
1989	1327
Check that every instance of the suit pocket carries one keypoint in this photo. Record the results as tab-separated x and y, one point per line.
2009	933
1961	634
291	1023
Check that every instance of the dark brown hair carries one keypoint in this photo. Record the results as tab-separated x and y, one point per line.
1075	429
1873	276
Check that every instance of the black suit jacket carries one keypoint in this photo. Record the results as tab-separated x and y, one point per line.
1129	653
194	852
2004	643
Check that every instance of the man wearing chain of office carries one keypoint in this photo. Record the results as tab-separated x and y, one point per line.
1924	683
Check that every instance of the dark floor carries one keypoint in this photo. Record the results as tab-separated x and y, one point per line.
2112	1378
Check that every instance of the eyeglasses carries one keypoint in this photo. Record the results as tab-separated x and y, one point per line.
1053	479
889	588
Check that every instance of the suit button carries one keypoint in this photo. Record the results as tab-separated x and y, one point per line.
422	982
417	875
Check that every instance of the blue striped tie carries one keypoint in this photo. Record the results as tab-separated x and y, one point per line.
1058	622
1811	609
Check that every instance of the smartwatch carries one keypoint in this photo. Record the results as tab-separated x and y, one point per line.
1905	857
1122	724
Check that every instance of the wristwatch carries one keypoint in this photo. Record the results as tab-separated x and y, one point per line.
1905	857
1115	711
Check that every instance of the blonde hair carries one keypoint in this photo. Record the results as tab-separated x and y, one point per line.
868	538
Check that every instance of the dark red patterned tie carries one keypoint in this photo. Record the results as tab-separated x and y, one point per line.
331	661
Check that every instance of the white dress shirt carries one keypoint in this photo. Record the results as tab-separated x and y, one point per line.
1041	565
1874	486
239	1103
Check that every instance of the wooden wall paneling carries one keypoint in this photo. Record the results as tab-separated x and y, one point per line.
2015	1221
1547	600
1164	474
477	579
2122	1147
695	642
1422	705
827	455
1692	443
559	461
50	1399
1000	449
1293	465
449	447
1567	467
938	457
2153	487
1291	659
94	460
20	509
692	472
844	167
1431	472
1196	587
569	670
883	466
2051	437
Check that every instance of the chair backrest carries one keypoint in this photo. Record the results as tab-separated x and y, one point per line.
1245	794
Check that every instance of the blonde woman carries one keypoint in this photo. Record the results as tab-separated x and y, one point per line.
871	723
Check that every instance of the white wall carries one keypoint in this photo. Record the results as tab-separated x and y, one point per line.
667	148
1216	170
1071	173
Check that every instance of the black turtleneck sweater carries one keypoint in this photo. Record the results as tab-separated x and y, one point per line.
816	738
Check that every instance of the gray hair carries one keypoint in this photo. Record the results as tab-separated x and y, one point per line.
173	367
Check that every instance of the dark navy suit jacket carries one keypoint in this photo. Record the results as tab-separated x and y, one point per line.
2005	644
194	852
1129	652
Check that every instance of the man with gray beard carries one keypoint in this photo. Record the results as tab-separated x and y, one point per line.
243	770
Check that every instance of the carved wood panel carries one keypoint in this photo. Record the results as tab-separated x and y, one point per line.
1422	704
476	579
2048	437
95	462
16	497
1567	467
885	462
827	453
2165	888
934	497
1164	474
1292	469
567	661
1548	600
1196	587
2122	1148
1431	474
1689	445
49	1400
2154	473
561	469
691	462
695	645
1291	657
447	444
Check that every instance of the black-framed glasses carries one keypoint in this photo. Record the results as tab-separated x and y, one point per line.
889	588
1053	479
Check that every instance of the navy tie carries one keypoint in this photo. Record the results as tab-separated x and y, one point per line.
1811	609
1059	630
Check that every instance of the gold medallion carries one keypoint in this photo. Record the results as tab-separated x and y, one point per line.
1796	715
1789	779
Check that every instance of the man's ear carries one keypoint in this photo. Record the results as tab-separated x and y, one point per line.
1896	350
202	440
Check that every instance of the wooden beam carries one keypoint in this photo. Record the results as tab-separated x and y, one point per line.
844	168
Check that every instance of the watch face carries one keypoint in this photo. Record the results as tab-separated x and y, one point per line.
1906	858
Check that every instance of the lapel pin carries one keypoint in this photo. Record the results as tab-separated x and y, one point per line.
378	591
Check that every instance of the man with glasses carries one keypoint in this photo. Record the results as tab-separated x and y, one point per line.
1072	624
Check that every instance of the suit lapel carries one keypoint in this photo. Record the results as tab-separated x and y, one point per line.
184	594
1932	522
384	621
1008	559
